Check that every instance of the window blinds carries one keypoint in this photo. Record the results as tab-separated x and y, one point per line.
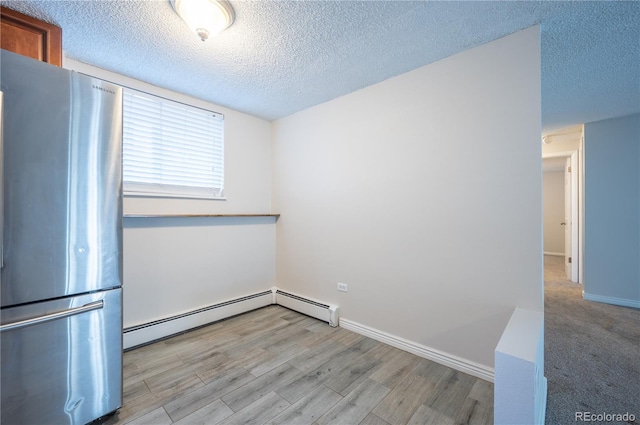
171	149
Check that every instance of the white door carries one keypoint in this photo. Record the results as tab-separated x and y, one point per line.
571	217
575	220
567	218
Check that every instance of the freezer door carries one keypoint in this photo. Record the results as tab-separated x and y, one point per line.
62	134
62	360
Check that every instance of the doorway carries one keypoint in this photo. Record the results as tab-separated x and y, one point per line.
563	178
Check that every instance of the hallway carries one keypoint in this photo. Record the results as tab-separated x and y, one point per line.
591	352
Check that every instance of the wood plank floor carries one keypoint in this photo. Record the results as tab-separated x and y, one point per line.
276	366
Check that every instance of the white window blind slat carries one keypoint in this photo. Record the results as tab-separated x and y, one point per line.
197	155
171	149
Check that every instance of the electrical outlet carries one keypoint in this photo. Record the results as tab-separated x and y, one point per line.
343	287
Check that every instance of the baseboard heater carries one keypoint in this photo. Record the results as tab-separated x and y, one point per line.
325	312
143	334
135	336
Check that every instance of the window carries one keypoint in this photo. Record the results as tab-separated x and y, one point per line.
171	149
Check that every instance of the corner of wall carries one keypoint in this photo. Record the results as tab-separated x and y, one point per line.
520	388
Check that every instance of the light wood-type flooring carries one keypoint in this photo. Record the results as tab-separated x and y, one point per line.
276	366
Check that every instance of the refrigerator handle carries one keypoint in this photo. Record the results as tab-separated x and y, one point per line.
53	316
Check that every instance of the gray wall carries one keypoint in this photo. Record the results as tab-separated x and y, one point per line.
612	210
416	193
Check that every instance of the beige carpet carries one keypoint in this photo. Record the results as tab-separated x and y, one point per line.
592	353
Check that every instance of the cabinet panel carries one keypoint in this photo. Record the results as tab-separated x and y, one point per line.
30	37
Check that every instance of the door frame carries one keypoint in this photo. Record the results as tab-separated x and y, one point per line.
577	193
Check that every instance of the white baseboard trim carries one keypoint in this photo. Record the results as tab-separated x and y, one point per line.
624	302
449	360
145	333
142	334
557	254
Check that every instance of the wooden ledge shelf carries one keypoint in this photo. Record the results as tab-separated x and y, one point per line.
197	215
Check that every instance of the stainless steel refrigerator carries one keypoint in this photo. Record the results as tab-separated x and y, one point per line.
61	271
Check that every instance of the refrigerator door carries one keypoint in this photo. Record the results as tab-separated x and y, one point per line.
62	182
62	360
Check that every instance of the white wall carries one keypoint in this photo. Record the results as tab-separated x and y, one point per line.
612	211
553	211
173	265
563	140
416	193
561	146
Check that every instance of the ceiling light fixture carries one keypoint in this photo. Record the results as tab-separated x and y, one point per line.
205	17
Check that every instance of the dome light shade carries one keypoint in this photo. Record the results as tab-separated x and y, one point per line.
205	17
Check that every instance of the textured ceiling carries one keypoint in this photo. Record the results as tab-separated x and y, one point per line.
280	57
